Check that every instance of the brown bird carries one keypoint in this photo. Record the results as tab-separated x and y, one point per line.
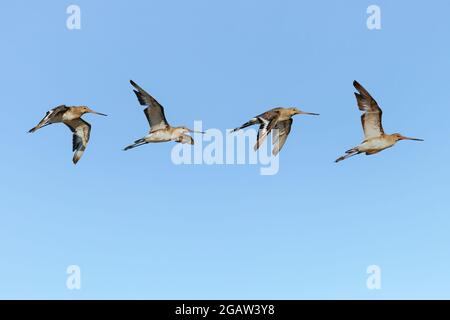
160	130
375	138
279	119
71	117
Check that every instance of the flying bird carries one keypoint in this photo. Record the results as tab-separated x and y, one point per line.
71	117
279	119
160	130
375	138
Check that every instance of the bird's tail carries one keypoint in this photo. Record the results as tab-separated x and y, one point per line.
349	153
137	143
245	125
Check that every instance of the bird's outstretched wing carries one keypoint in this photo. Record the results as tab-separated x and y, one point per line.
371	119
154	111
81	132
51	116
268	120
280	134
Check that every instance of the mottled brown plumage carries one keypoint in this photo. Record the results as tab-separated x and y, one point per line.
160	130
71	117
276	118
375	140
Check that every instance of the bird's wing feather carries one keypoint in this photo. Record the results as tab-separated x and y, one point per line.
282	129
154	111
81	133
56	111
52	115
268	121
155	118
371	119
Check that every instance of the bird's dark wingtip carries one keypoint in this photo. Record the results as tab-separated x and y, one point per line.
357	85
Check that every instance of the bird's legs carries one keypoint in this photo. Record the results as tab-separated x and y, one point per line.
40	125
137	143
152	138
349	153
247	124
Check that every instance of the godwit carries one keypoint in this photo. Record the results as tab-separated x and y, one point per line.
277	118
160	130
375	138
71	117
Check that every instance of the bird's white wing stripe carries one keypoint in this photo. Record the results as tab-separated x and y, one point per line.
265	122
49	114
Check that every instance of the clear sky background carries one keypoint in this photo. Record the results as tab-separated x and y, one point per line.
141	227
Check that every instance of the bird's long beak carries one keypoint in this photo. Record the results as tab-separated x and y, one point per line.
308	113
408	138
99	113
193	131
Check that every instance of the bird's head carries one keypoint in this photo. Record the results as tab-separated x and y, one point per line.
295	111
85	109
399	137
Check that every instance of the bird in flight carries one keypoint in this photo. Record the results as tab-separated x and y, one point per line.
375	138
160	130
279	119
71	117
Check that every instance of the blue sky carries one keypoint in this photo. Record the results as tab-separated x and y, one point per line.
141	227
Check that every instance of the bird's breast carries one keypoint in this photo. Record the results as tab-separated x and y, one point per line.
376	144
163	134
